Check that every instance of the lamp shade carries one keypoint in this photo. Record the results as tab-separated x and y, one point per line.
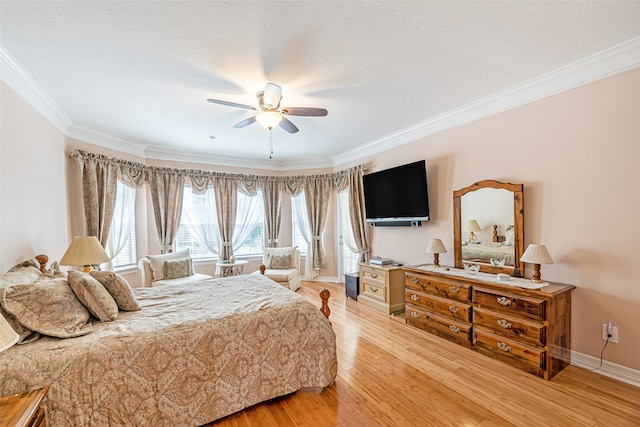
536	254
472	225
8	336
84	251
436	246
269	119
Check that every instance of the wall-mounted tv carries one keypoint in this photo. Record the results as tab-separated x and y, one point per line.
397	196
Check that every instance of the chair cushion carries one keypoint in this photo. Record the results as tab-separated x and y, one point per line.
157	262
281	275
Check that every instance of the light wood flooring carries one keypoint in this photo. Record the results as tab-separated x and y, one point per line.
390	374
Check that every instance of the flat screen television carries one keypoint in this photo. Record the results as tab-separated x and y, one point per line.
397	195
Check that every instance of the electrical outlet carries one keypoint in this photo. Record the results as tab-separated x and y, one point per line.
608	328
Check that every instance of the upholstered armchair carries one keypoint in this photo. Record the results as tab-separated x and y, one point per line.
282	265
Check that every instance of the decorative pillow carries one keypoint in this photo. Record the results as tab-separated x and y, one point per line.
174	269
93	295
23	276
157	262
119	289
509	236
24	264
47	306
279	262
26	334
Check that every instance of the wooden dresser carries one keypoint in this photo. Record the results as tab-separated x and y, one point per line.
23	410
526	328
382	287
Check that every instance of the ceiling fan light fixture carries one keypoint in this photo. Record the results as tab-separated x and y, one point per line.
269	119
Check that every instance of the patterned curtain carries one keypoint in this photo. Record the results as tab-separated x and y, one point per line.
166	195
99	186
317	193
226	205
357	215
272	211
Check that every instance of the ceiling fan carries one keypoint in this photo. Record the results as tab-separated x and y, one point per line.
269	113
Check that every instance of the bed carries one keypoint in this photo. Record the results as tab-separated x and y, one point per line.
500	251
192	354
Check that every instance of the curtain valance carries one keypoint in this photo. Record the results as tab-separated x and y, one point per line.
137	174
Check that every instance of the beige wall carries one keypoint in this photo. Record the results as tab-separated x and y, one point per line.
576	153
33	192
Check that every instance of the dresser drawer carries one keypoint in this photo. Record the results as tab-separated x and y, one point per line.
452	330
373	275
510	327
449	308
514	305
375	291
441	287
528	358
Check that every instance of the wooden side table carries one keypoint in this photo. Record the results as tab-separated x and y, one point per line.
23	409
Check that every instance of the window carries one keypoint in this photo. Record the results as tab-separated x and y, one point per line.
350	257
121	243
198	229
301	233
248	234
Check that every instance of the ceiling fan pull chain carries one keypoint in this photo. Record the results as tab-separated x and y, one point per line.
270	143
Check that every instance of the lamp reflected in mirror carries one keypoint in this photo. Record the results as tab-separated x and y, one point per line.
471	226
436	247
536	255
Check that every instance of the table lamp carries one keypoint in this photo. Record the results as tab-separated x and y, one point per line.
85	251
471	226
536	255
436	247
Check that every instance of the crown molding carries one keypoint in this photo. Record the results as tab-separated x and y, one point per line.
164	153
18	79
608	369
606	63
106	141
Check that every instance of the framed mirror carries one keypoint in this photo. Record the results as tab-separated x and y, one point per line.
488	227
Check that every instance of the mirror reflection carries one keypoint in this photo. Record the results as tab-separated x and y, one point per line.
488	227
487	221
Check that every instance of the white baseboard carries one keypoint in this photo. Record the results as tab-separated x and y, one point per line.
322	279
608	369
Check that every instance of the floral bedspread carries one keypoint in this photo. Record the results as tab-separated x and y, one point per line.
193	354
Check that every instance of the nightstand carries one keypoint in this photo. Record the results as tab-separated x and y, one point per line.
23	409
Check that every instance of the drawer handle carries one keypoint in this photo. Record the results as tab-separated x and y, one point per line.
374	276
414	314
454	289
415	297
504	347
453	309
504	324
415	280
373	289
454	329
504	301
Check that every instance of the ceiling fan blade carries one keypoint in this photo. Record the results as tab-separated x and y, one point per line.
272	95
304	111
231	104
246	122
288	126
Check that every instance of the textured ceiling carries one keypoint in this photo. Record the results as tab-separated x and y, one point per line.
142	71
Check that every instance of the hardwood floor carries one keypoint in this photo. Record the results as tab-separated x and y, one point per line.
391	374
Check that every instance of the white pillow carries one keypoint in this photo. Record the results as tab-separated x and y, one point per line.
509	236
157	262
